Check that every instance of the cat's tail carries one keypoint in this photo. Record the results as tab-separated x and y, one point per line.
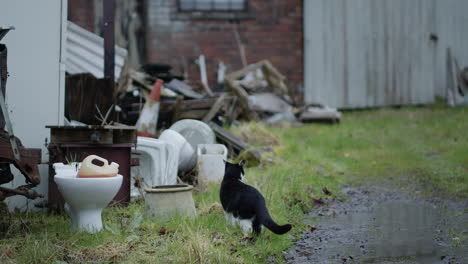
275	228
269	223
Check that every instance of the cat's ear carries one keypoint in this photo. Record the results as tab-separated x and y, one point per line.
241	163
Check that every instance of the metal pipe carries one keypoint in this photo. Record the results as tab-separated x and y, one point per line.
109	39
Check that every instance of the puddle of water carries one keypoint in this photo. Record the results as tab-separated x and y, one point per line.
397	232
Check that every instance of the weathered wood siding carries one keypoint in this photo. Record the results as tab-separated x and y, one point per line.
368	53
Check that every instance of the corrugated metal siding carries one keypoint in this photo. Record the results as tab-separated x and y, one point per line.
85	53
452	30
367	53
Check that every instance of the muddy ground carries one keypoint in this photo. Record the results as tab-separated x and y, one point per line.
382	225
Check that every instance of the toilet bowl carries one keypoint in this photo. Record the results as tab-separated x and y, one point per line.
159	162
86	198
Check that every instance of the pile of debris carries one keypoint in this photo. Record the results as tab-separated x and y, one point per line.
152	97
256	93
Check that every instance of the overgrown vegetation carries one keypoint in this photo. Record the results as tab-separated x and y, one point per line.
424	148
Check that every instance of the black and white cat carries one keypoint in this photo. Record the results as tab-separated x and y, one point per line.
245	205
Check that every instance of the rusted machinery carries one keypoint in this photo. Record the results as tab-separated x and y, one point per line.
12	150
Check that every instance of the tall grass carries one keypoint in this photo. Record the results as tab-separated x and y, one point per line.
424	148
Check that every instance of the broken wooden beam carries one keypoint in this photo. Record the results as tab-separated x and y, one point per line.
215	108
227	138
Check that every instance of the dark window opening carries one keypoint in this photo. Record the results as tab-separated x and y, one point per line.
212	5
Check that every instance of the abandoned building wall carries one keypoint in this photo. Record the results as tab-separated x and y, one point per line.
269	30
81	12
450	29
35	86
369	53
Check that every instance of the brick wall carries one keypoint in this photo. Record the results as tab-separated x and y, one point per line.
81	12
273	32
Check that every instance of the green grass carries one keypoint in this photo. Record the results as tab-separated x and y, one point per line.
418	148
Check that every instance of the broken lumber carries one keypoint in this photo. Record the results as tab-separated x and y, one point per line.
227	138
215	108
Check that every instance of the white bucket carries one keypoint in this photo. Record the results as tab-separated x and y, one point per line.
210	162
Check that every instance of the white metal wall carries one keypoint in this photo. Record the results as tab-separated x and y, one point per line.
366	53
452	30
35	88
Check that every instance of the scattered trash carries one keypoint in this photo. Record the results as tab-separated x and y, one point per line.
320	113
146	124
268	102
89	169
184	89
203	76
457	88
233	143
185	114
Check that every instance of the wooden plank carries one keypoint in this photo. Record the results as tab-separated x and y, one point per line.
193	114
243	99
82	95
177	109
81	136
188	104
215	109
241	73
229	139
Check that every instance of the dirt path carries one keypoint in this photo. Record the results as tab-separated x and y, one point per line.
379	225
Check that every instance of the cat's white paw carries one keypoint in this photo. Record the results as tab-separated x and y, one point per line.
230	218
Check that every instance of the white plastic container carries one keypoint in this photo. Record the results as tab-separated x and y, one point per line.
90	170
159	162
186	153
210	162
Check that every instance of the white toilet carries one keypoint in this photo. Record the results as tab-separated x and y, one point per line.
86	198
185	151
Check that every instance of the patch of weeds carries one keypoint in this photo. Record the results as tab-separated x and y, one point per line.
257	134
